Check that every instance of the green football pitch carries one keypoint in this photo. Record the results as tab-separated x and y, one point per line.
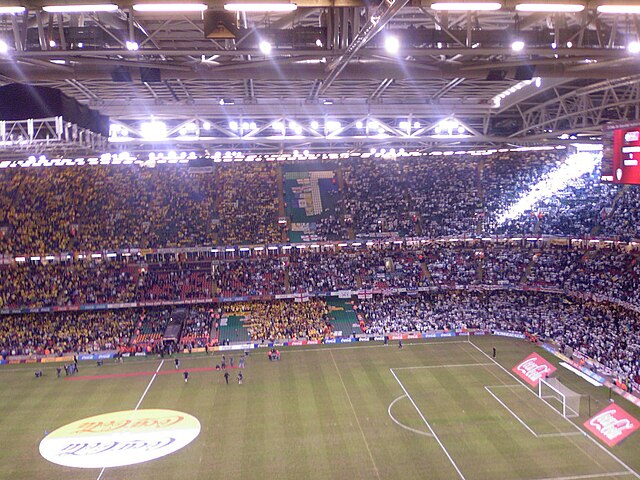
435	409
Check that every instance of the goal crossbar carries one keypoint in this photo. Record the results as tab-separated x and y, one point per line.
551	388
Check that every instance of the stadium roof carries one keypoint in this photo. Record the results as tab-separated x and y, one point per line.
329	81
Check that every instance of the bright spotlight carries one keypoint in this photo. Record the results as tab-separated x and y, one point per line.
132	46
206	125
315	125
279	126
153	130
517	46
253	125
391	44
265	47
4	48
359	124
333	125
233	125
245	125
633	47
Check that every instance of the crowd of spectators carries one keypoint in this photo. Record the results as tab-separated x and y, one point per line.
262	276
98	207
95	208
201	326
280	319
66	332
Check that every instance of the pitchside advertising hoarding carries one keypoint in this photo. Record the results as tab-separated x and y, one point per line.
612	425
533	368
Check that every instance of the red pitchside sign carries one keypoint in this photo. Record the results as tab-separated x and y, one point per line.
612	425
533	368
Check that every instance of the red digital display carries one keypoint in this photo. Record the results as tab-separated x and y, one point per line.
626	155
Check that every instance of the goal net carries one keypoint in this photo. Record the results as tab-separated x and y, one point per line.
559	396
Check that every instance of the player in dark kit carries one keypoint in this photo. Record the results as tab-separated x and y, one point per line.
226	377
177	362
186	376
494	352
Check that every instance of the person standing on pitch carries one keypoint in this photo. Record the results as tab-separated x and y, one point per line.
226	377
177	362
240	378
186	376
494	352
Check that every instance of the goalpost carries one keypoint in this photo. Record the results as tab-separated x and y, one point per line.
552	389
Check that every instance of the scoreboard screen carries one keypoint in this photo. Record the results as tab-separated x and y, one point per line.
621	151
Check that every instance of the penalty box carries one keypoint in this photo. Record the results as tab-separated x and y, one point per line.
488	424
539	419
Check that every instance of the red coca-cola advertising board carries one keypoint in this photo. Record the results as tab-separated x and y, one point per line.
612	424
533	368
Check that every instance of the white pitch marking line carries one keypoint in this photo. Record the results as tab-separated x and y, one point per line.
139	402
397	422
149	385
503	386
511	412
631	471
453	365
561	434
375	467
593	475
427	424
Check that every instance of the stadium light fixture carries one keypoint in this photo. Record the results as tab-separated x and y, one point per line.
260	7
11	9
634	47
332	125
392	44
132	46
87	8
4	47
265	47
466	6
542	7
170	7
619	8
153	130
315	125
517	46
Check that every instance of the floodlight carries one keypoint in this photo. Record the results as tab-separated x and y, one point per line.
99	7
517	46
633	47
12	9
391	44
550	7
260	7
153	130
265	47
4	48
466	6
170	7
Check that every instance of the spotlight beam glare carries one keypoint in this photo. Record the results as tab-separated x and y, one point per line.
574	167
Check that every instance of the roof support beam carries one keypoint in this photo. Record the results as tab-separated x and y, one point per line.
382	15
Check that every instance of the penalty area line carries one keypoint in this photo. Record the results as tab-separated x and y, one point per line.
427	424
144	394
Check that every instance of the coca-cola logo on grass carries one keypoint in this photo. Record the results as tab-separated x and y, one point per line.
612	425
120	438
533	368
